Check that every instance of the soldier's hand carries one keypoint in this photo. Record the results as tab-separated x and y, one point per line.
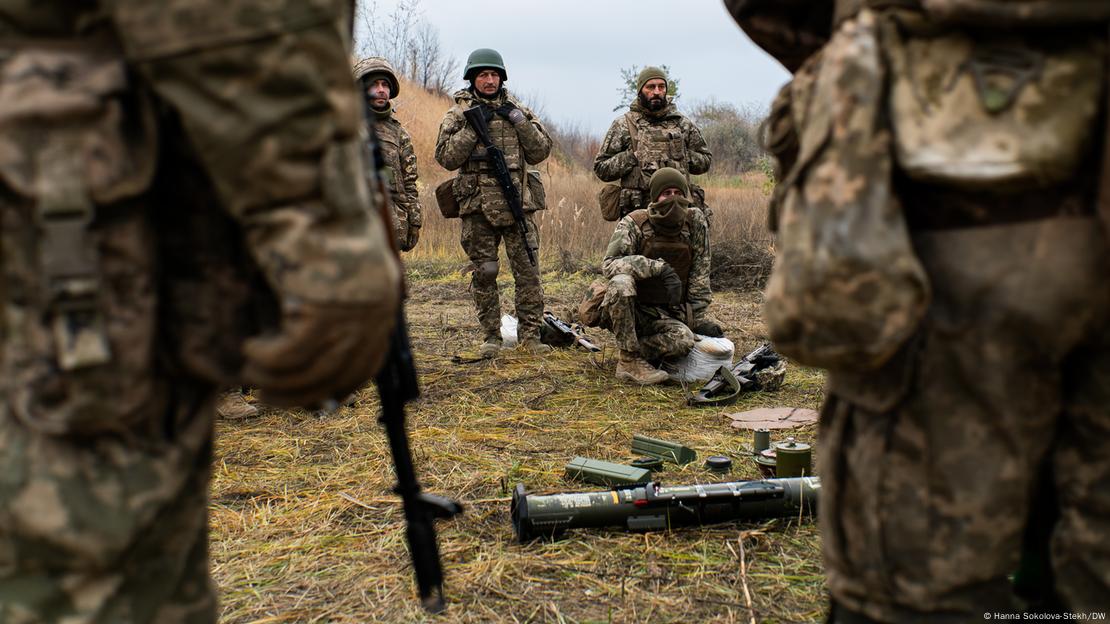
509	111
414	236
674	285
322	352
707	326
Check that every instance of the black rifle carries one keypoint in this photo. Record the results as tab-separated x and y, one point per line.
496	159
570	333
397	385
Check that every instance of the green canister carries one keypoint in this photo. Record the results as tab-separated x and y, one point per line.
793	459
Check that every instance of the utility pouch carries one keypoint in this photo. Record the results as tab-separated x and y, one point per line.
1001	113
446	200
846	290
536	192
609	200
66	146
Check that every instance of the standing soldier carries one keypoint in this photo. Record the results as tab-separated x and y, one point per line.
183	209
483	206
650	136
379	85
658	294
976	443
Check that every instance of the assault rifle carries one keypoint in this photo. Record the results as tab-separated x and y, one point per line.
496	159
651	506
726	385
397	385
570	333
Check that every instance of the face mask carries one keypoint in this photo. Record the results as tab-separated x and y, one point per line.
669	215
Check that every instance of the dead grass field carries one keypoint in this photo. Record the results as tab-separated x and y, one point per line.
306	529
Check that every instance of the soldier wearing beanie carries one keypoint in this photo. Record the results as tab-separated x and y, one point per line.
379	85
487	219
650	136
658	296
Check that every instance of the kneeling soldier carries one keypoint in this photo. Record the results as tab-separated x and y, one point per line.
658	294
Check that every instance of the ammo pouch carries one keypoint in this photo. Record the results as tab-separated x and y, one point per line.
446	200
79	286
536	193
846	290
1002	113
609	200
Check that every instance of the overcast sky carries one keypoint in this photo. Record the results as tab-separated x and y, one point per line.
567	54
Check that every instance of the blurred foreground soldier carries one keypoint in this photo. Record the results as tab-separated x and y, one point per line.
650	136
940	252
483	207
379	85
174	179
657	264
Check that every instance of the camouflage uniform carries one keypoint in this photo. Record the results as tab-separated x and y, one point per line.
654	331
933	464
664	138
161	202
486	218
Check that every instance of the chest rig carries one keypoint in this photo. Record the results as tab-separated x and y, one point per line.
675	250
656	144
505	138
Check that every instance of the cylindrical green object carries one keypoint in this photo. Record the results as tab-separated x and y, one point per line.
793	459
652	506
761	440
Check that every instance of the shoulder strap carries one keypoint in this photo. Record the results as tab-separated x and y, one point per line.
632	131
639	217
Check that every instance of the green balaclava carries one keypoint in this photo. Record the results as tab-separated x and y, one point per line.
667	216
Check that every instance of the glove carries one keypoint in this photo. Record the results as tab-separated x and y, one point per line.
321	352
675	291
509	111
414	235
707	326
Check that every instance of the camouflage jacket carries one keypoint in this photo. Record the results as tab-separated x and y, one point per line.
623	257
400	173
457	148
666	138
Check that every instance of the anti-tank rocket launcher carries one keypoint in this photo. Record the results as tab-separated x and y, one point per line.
652	506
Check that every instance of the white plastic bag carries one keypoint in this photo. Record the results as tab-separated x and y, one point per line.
508	331
704	359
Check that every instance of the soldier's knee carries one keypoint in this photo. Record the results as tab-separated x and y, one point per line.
486	272
621	286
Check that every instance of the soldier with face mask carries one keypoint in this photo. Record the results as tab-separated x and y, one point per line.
380	86
650	136
658	294
485	213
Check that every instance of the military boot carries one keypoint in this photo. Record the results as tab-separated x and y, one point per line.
234	406
535	346
490	348
631	367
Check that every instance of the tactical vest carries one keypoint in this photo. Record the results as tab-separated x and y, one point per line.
675	250
504	136
657	144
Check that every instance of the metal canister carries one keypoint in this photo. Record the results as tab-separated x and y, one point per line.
761	440
793	459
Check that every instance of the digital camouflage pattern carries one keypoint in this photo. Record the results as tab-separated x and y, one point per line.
664	138
400	174
933	462
161	204
486	218
655	332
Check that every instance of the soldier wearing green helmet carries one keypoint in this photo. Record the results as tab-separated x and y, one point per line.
483	208
379	85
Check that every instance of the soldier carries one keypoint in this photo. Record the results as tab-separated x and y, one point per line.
650	136
486	218
380	85
658	294
939	463
183	209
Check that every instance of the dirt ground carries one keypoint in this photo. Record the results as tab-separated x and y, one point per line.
306	529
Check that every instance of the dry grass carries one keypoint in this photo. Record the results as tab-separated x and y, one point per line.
305	528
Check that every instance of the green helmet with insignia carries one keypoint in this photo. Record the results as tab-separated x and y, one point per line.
484	58
372	65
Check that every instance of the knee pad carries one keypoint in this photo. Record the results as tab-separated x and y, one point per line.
486	271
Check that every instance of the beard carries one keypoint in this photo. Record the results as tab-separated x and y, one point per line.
374	104
652	104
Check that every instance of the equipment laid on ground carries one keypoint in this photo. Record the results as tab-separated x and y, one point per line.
571	334
605	473
762	369
702	362
718	463
667	451
652	506
653	464
793	459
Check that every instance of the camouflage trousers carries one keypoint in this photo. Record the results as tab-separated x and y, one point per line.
932	465
106	529
648	330
481	241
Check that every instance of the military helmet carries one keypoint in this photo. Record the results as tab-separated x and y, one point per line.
484	58
377	65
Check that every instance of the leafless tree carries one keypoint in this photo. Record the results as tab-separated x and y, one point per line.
409	41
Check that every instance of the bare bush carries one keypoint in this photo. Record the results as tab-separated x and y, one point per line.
732	133
409	41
